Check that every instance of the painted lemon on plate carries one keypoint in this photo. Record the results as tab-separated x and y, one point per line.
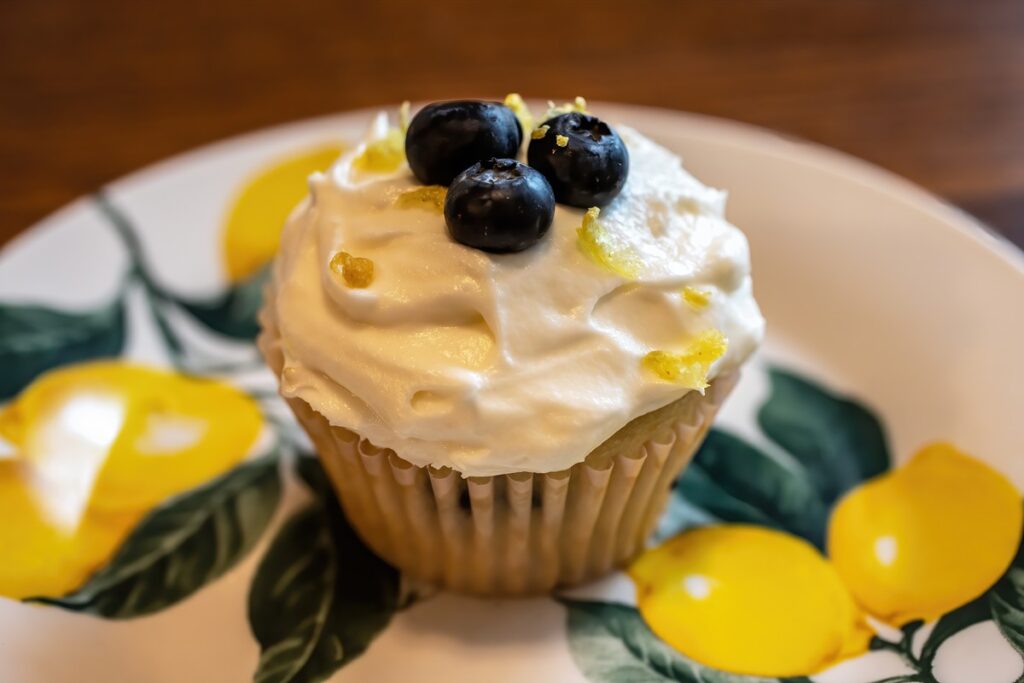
94	447
252	230
923	539
748	599
41	556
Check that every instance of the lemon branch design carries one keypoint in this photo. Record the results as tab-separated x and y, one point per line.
230	314
822	505
35	338
320	596
139	532
151	531
183	545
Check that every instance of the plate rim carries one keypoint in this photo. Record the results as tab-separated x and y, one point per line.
821	156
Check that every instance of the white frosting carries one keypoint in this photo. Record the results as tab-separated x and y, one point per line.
492	364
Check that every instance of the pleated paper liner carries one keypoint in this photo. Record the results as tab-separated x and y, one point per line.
510	534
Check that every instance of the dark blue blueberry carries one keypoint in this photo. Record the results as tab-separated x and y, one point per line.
590	168
446	138
499	205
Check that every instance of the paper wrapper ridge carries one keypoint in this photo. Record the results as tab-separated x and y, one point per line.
518	533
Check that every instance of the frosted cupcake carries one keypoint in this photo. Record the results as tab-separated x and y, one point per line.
506	341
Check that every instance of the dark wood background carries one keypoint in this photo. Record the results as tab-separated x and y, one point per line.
93	89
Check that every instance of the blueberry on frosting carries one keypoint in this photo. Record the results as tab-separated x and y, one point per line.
499	205
584	160
446	138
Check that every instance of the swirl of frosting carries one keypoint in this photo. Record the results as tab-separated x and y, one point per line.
499	363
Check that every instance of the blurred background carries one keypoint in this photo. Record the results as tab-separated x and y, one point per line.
930	89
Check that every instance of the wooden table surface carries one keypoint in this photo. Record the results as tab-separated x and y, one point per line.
931	89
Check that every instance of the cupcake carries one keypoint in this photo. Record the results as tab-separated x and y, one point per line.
506	341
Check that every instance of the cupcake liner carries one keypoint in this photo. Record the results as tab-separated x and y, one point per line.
518	533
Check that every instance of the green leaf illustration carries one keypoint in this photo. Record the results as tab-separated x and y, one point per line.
320	596
232	313
730	480
610	643
183	545
838	440
1006	602
34	339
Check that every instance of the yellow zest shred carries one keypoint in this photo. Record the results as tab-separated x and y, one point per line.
698	298
383	155
539	132
579	105
689	368
357	272
515	102
594	242
561	140
429	197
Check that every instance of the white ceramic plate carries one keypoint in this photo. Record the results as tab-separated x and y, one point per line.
872	289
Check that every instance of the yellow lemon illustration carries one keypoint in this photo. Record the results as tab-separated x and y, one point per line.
41	555
95	446
749	600
123	436
922	540
252	230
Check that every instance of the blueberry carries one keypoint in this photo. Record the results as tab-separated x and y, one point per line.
499	205
590	165
446	138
